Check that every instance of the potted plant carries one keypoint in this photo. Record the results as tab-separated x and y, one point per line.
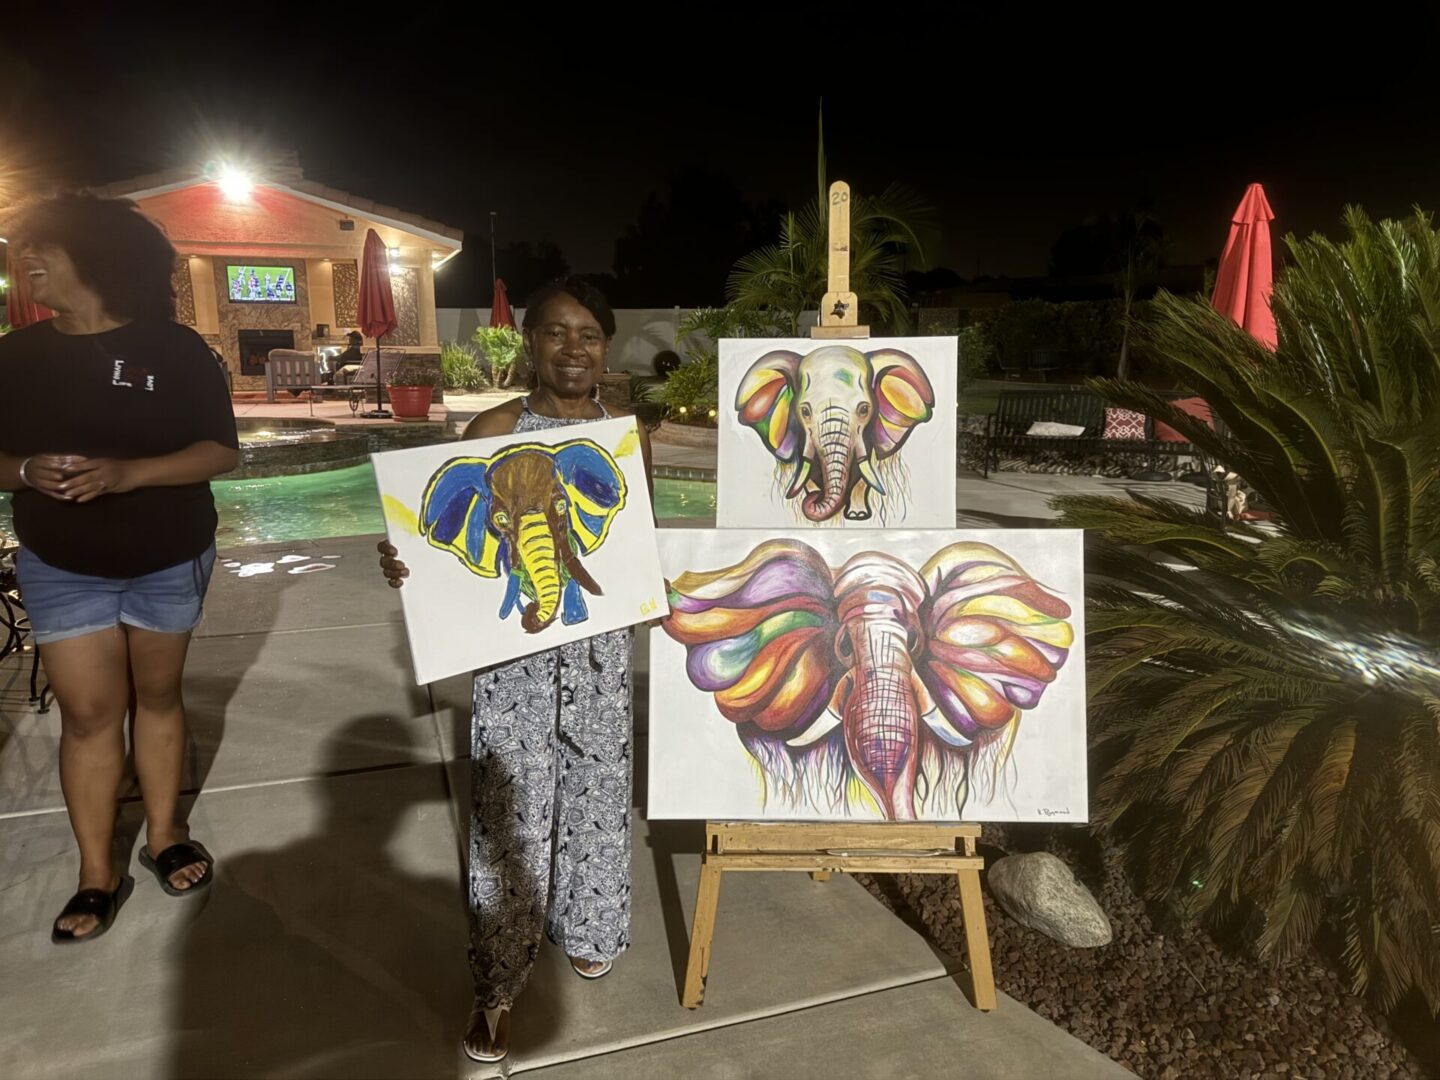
411	386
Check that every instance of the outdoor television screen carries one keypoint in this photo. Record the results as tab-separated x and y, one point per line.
261	284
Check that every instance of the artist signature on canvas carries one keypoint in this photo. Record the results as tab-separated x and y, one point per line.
1046	811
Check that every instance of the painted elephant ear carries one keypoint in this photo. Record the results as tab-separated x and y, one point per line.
903	398
596	488
455	514
760	636
997	639
765	402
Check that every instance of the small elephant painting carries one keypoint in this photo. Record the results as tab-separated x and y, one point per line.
519	543
852	434
527	515
889	684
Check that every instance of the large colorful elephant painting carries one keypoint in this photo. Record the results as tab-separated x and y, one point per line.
833	418
880	687
528	514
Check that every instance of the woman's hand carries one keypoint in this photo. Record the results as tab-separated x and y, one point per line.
89	478
394	570
46	473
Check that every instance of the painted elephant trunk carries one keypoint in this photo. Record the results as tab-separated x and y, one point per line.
536	544
836	450
878	600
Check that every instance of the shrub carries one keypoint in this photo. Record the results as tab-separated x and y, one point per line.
463	367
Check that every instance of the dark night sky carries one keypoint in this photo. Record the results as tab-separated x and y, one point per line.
1013	128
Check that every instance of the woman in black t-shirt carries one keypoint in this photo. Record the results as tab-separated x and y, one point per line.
113	419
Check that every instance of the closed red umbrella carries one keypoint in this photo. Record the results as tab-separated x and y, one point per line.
376	308
20	310
500	313
1242	287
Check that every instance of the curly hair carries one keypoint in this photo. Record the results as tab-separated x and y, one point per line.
118	252
579	290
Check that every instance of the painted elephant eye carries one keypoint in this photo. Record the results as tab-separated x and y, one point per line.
805	412
559	505
863	409
500	518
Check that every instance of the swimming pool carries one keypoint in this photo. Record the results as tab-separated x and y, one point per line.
342	502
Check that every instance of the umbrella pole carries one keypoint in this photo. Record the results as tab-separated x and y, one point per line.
379	413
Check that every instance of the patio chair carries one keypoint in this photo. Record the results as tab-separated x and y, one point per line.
290	369
1045	361
15	627
1011	366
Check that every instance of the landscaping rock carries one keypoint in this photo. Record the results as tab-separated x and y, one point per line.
1039	891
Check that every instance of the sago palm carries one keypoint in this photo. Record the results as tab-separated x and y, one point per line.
1265	703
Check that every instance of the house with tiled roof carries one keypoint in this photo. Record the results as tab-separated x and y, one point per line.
274	261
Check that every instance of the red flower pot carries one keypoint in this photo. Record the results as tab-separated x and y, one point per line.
410	402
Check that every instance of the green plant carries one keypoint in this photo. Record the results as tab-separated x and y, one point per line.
413	373
975	348
463	367
1265	700
692	392
502	347
643	387
701	328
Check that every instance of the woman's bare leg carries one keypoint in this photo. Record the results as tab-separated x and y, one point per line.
90	677
157	665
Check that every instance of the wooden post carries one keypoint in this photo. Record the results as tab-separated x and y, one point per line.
840	308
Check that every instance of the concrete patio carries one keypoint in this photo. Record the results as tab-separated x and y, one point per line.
333	791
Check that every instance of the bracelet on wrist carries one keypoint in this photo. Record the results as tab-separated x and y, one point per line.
23	478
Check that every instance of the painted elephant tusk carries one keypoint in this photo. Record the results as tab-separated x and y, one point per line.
827	723
945	731
867	470
802	474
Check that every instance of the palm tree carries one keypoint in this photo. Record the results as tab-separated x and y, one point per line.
1264	699
789	277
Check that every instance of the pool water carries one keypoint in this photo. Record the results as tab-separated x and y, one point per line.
342	502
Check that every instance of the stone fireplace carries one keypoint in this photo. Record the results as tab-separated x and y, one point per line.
255	346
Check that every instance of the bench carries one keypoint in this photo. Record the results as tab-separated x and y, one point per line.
1017	410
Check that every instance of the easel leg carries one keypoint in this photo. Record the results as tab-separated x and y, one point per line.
702	930
977	941
819	875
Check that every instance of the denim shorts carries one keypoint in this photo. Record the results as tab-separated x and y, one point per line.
63	605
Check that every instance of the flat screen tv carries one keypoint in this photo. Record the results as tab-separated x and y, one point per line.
261	284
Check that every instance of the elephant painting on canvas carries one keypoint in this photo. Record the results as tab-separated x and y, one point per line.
877	687
528	514
835	419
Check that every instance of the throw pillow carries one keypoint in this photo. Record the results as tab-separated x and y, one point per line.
1051	430
1124	424
1196	407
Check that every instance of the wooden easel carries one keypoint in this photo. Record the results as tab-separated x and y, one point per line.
822	850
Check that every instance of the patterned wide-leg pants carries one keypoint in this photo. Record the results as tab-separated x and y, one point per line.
550	823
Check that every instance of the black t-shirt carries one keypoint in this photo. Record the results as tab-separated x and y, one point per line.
143	390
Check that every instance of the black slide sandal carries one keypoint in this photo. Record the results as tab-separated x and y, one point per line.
104	906
175	857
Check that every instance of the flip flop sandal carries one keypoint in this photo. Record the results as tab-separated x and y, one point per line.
103	905
598	973
488	1027
176	857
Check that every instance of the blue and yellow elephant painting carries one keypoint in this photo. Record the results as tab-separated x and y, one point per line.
528	514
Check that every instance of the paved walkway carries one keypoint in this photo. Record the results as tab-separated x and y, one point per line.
333	942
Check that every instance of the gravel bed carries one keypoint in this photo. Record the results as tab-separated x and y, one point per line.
1166	1005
